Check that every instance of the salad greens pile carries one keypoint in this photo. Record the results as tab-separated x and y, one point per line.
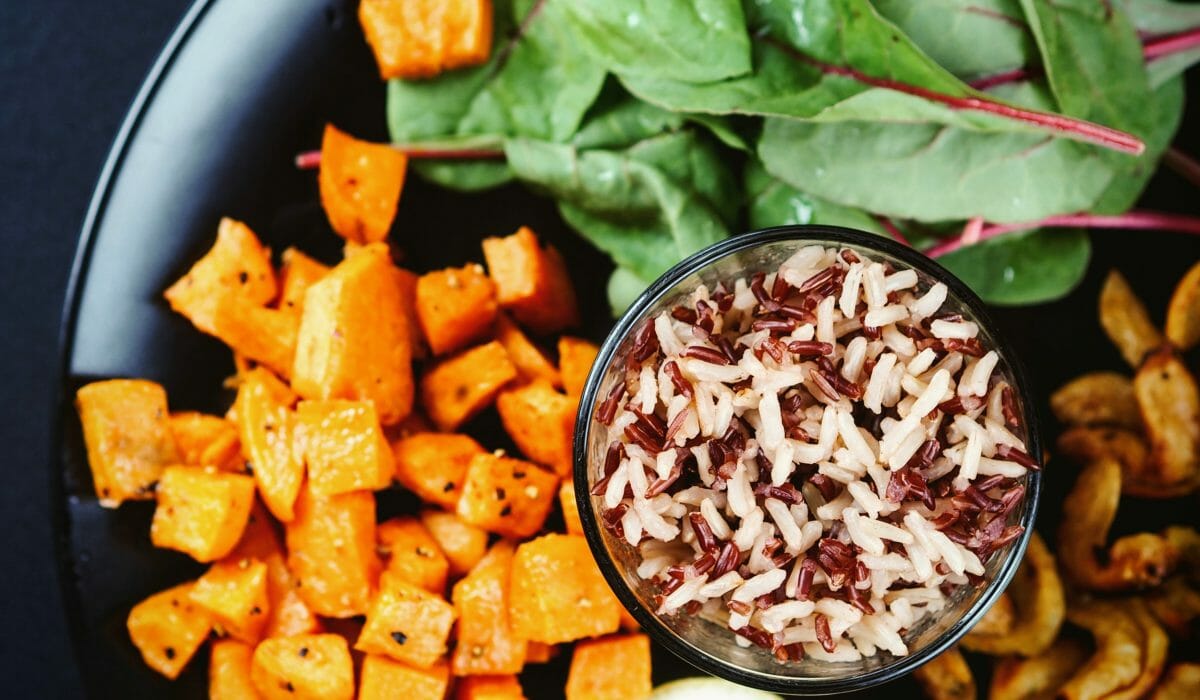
661	126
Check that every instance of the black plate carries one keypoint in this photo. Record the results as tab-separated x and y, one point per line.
240	88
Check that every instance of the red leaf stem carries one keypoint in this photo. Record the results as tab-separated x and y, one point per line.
1183	165
1161	221
310	160
893	230
1157	47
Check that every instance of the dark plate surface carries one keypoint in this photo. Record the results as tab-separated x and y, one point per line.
244	85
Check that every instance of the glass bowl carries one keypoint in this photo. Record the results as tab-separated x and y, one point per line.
709	646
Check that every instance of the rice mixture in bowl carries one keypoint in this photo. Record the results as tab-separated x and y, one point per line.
820	456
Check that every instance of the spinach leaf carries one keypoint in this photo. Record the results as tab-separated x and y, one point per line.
691	40
772	202
1165	111
1160	17
624	123
624	287
1030	267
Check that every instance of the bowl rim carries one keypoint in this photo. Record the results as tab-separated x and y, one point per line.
649	621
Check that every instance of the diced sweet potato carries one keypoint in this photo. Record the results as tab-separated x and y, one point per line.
413	554
613	668
331	552
421	38
287	613
531	282
570	508
343	447
234	592
201	511
507	496
128	437
489	688
385	679
455	307
229	671
268	428
204	440
354	341
266	336
575	358
408	287
486	643
407	623
463	385
299	272
541	421
237	264
432	465
558	594
316	667
539	653
167	628
464	545
530	361
360	185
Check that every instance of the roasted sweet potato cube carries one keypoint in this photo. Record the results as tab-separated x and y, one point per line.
267	428
204	440
455	307
575	358
167	628
558	594
229	671
237	265
612	668
530	361
486	643
316	666
384	678
287	613
234	592
541	421
331	552
421	39
463	385
201	511
408	287
266	336
464	545
539	653
299	272
128	437
343	446
488	688
570	508
510	497
360	185
412	553
354	341
407	623
432	465
531	282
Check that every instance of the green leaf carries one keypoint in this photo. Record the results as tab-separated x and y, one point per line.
724	129
1030	267
624	287
1165	109
624	123
772	202
1158	17
690	40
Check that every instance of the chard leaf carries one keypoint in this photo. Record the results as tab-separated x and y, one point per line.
689	40
624	287
1165	109
1030	267
624	123
772	202
1160	17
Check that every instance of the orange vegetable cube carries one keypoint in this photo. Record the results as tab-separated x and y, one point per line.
204	440
343	446
507	496
575	358
234	592
331	552
201	511
432	465
539	653
360	185
613	668
287	613
455	307
412	553
408	286
486	643
570	508
314	666
229	671
268	430
541	421
128	436
489	688
354	341
421	38
266	336
407	623
236	265
530	361
531	282
384	679
463	385
464	545
299	272
167	628
558	593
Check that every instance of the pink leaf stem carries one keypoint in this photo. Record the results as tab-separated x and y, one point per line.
1151	220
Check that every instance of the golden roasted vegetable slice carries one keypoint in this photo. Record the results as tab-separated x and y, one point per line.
1086	445
946	677
1037	677
1125	320
1097	398
1180	682
360	185
1170	404
1176	604
1183	313
1186	541
1037	595
1131	649
1134	561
